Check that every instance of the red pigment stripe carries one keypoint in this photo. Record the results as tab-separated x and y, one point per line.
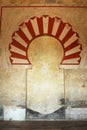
50	25
61	27
16	55
20	63
69	34
18	45
30	28
11	60
23	36
40	25
74	55
79	60
72	45
80	46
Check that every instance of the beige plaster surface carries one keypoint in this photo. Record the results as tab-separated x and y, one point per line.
12	87
76	85
45	81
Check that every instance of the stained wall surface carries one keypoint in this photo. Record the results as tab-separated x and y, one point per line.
18	83
52	2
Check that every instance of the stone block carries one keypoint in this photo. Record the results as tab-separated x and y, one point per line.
76	113
14	113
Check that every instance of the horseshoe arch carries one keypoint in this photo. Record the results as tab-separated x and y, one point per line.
40	26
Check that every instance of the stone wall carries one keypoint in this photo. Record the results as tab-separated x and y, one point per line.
15	83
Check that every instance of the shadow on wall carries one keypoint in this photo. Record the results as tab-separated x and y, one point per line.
1	112
59	114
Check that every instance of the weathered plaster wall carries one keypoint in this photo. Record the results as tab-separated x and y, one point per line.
13	82
12	87
76	85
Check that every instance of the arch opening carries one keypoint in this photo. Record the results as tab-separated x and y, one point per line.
45	84
43	50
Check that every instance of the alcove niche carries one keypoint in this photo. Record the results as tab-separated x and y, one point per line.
48	46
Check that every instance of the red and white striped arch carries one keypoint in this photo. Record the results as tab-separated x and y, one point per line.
40	26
